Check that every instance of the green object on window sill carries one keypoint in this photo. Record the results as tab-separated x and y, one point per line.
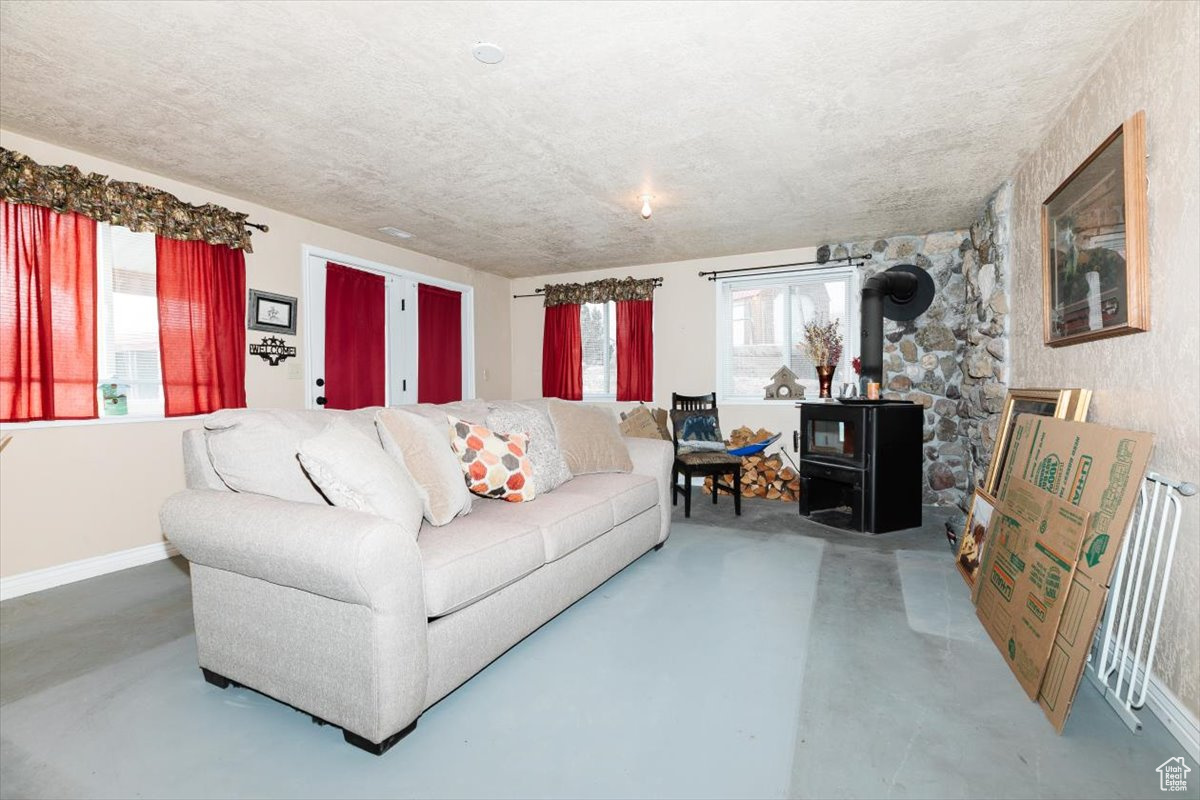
115	401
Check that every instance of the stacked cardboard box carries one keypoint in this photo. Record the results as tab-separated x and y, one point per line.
1066	494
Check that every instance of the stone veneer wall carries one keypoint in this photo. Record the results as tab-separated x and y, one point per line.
985	358
951	359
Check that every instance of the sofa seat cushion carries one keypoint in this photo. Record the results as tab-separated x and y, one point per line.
474	556
566	519
629	494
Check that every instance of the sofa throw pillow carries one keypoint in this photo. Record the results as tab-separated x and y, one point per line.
353	472
496	465
254	450
422	447
697	431
643	423
589	438
549	467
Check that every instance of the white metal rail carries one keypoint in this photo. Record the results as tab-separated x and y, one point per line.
1121	663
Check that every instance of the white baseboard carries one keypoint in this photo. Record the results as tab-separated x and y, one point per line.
39	579
1172	713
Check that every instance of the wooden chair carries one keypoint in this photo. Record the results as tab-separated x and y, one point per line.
702	464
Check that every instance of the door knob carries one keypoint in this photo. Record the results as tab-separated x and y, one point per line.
320	401
320	381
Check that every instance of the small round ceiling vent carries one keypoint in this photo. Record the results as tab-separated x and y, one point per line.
487	53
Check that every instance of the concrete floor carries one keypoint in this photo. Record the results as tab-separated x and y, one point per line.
760	656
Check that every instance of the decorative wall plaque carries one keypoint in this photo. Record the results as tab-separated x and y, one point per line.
273	350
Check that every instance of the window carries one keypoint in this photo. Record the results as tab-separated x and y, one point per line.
760	324
598	328
127	311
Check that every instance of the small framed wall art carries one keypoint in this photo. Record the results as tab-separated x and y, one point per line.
274	313
1095	246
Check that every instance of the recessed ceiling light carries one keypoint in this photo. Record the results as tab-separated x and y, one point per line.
391	230
487	53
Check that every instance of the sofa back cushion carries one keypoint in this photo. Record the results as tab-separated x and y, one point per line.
549	467
473	411
352	471
589	438
422	447
255	449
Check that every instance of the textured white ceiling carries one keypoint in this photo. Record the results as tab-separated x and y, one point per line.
757	126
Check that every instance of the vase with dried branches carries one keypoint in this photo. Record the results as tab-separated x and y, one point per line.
822	343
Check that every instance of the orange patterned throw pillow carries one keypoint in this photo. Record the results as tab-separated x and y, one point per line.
496	464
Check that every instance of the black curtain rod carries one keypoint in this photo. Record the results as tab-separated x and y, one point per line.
538	292
262	228
786	271
712	274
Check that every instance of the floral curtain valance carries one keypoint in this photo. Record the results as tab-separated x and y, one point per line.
602	291
133	205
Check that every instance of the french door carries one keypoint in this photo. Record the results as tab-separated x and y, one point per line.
333	356
339	362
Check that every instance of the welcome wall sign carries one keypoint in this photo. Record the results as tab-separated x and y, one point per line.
273	350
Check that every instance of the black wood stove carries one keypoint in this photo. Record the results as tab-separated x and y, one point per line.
861	464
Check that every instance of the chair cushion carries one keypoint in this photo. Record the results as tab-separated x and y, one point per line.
697	431
629	494
476	555
708	460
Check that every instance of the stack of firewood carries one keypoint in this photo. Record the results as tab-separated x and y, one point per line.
762	475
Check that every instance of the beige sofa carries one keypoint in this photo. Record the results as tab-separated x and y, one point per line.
348	617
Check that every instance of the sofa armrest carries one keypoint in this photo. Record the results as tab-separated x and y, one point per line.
344	555
654	458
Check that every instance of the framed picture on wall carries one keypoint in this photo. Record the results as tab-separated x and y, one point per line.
275	313
1069	404
1095	277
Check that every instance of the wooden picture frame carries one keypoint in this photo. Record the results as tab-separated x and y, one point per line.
273	313
1095	244
1069	404
971	544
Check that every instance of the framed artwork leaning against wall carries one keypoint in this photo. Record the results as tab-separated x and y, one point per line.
1095	244
1069	404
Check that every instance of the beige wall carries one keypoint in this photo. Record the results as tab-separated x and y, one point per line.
80	491
685	342
1148	381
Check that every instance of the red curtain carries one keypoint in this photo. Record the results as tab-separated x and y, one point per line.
439	336
47	315
635	350
201	326
562	353
355	338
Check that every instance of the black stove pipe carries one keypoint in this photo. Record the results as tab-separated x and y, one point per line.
896	285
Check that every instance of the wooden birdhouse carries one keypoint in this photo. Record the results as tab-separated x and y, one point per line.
783	386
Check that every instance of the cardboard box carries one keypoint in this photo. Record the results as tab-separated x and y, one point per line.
1099	470
1025	578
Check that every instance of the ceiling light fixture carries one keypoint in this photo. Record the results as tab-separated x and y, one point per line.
645	198
391	230
487	53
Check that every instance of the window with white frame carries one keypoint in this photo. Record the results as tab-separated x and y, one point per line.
760	325
598	327
127	325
